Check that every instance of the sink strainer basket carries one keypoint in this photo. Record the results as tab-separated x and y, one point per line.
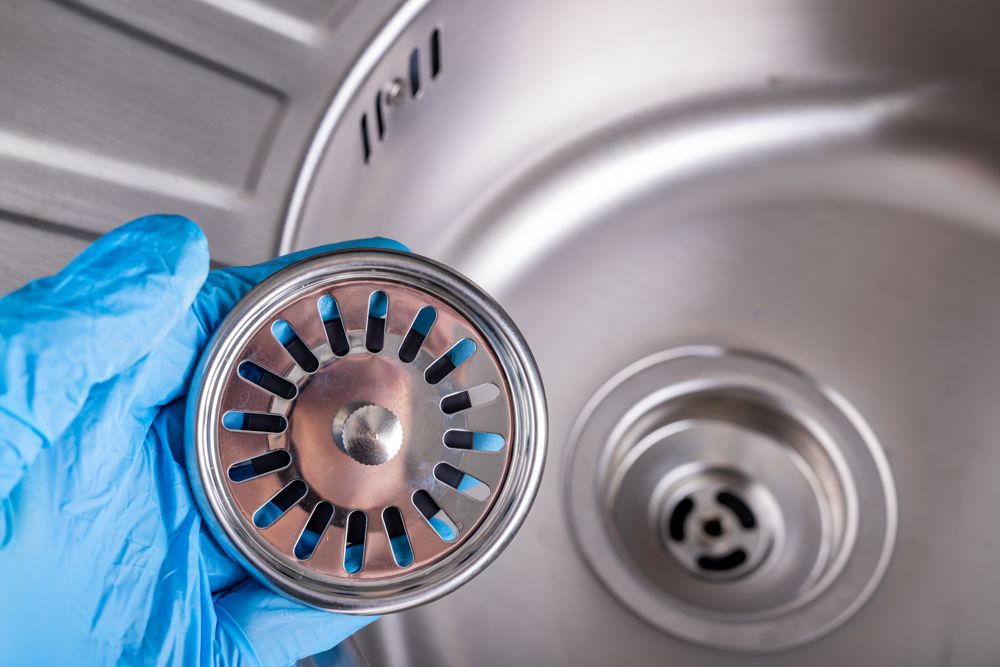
366	431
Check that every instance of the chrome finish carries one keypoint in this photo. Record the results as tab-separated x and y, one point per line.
365	432
370	434
730	433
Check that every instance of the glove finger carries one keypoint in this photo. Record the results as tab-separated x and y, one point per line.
62	335
171	365
253	621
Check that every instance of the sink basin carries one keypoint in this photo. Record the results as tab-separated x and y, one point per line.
800	199
815	183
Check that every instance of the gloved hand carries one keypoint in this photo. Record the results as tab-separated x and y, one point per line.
103	557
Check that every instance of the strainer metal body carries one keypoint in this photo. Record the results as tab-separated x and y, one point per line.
366	431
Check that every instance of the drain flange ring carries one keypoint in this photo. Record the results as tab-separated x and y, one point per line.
717	494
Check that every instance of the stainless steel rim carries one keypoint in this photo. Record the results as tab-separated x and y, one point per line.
408	587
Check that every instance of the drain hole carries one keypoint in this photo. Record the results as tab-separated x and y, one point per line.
379	118
415	72
436	517
402	552
366	148
354	549
461	482
735	504
459	353
415	337
267	380
730	561
299	351
336	334
435	53
259	465
255	422
470	398
280	503
313	532
712	527
678	519
481	442
378	309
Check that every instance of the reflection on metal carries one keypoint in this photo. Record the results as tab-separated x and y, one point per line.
269	17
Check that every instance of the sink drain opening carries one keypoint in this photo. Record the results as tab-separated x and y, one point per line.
710	528
726	503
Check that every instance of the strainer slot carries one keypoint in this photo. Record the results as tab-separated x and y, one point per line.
378	311
257	466
461	481
439	521
296	348
457	355
399	541
336	334
254	422
475	440
354	547
280	503
417	333
678	519
266	380
318	521
469	398
736	505
730	561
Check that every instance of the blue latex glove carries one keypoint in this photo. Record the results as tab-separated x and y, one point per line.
103	556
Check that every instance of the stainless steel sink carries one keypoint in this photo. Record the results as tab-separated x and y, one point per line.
811	185
811	182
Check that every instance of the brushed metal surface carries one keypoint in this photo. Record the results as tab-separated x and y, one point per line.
815	181
112	110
